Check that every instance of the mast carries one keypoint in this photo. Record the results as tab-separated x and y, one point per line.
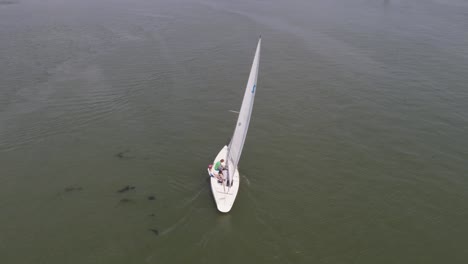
236	145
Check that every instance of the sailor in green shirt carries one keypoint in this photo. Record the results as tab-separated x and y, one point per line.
219	166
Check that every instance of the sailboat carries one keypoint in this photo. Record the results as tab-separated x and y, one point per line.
226	186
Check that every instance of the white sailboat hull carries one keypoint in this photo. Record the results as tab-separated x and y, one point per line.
224	195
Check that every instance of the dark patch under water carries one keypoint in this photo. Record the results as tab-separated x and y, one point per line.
126	200
73	188
126	189
124	154
155	231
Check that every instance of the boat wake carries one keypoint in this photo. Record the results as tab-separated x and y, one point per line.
193	198
246	179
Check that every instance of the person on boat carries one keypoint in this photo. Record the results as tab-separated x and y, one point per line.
219	167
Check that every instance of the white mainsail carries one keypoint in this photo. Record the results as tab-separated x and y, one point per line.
242	125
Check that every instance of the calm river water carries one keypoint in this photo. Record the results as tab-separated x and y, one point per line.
356	153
